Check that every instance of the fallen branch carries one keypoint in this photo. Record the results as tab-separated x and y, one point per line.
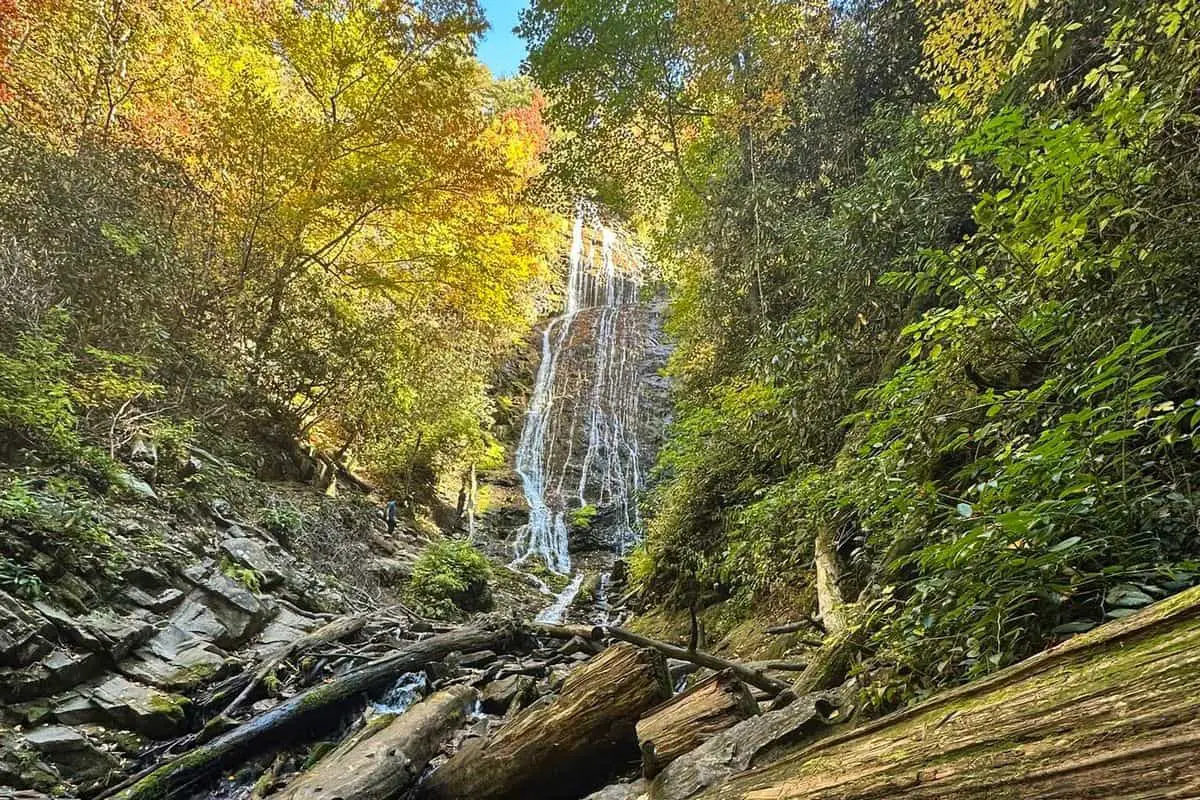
330	632
305	709
754	677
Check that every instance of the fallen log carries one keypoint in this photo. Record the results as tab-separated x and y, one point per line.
782	666
305	710
749	743
1110	713
387	756
798	625
566	747
754	677
828	666
553	631
691	718
330	632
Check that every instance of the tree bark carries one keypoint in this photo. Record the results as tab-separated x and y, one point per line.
333	631
831	604
1110	713
687	720
749	743
828	666
387	756
754	677
564	748
309	710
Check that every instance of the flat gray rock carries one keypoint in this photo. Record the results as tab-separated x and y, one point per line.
56	739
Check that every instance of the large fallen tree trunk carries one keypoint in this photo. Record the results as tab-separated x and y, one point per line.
689	719
307	709
750	743
387	756
1112	713
565	748
754	677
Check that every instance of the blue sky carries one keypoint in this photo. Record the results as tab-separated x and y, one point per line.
501	49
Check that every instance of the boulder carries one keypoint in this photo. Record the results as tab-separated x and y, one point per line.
160	601
76	708
23	633
55	739
21	768
268	560
286	627
220	609
120	634
75	756
135	485
279	570
147	577
59	670
174	659
118	702
391	571
101	631
499	696
140	708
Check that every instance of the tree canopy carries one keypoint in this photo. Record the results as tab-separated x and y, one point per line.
313	212
933	298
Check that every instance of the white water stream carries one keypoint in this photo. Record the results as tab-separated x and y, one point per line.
585	397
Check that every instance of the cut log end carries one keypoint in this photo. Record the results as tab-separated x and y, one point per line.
689	719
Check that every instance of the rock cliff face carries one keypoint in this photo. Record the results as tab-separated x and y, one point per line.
108	640
597	408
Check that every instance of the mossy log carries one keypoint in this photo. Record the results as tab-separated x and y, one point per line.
691	718
1112	713
310	711
564	748
387	756
828	666
334	631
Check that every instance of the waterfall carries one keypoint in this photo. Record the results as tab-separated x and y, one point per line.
579	445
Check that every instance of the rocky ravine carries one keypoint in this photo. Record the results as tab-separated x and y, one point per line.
101	661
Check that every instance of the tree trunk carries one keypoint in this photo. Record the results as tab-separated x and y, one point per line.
308	711
387	756
831	604
749	743
564	748
687	720
1110	713
828	666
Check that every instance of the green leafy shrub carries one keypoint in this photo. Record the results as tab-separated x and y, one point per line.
282	519
451	577
66	520
246	576
582	517
19	580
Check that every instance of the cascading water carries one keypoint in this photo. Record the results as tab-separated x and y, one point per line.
580	446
